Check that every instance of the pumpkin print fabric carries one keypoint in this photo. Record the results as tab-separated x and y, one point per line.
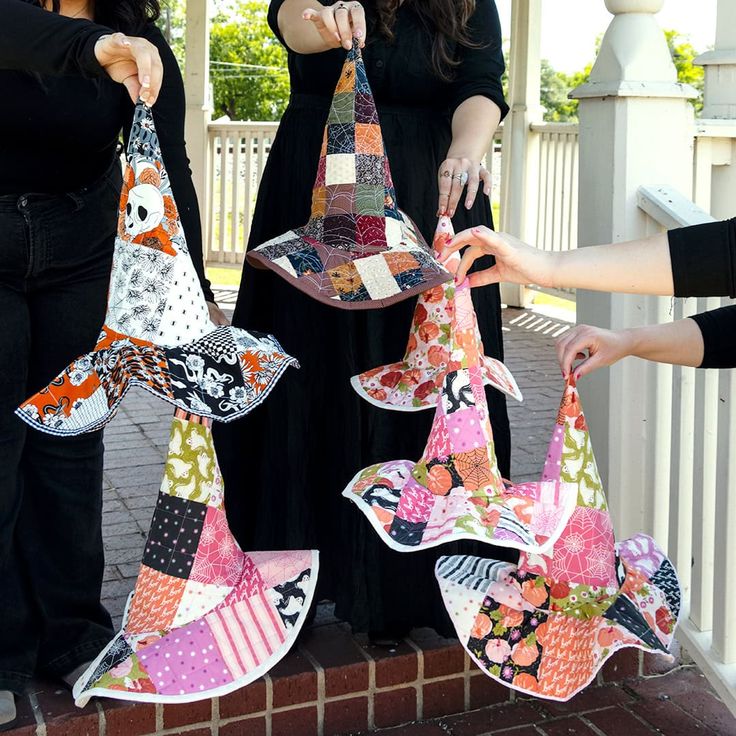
358	250
157	332
546	626
455	491
414	383
205	618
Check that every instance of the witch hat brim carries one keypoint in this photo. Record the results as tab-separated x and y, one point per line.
359	250
205	618
223	375
554	654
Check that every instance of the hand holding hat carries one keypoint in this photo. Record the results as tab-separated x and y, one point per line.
339	24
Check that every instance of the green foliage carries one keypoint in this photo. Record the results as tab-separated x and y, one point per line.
247	65
683	55
173	25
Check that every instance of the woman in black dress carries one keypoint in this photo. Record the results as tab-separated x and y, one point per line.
60	179
435	69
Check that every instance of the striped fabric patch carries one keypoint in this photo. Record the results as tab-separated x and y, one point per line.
474	573
247	633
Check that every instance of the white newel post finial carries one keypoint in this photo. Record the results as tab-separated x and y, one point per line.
636	128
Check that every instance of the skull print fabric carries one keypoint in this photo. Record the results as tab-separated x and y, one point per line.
157	333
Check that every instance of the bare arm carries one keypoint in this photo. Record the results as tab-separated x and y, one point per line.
309	27
677	343
636	267
473	125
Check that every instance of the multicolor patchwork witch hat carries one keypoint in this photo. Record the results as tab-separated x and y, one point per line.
415	382
358	250
157	332
456	491
546	626
205	617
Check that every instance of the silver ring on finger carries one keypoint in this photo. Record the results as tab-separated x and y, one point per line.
462	178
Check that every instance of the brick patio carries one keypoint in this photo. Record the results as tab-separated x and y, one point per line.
333	683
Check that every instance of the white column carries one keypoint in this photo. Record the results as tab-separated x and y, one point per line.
199	109
636	128
520	164
720	109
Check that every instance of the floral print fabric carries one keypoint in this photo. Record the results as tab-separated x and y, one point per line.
358	250
205	617
455	491
546	626
415	382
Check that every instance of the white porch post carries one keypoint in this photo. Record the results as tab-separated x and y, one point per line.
636	128
720	105
198	112
520	163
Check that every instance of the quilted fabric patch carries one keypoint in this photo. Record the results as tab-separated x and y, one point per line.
346	254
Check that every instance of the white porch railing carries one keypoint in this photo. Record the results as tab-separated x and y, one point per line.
692	435
237	156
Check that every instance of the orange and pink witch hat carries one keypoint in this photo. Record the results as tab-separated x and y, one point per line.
358	250
455	491
415	382
546	626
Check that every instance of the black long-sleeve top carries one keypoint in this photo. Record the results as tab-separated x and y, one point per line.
61	116
704	264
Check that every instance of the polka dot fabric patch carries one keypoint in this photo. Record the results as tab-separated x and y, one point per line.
354	214
205	617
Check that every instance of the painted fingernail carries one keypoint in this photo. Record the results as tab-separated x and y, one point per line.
126	42
577	375
358	33
146	82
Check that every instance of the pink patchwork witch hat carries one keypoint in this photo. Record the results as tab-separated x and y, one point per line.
546	626
157	332
205	617
456	491
415	382
358	250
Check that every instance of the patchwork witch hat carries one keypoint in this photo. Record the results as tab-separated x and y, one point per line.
205	617
358	250
415	382
157	332
456	491
546	626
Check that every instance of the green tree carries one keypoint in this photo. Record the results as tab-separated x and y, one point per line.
173	25
683	55
247	64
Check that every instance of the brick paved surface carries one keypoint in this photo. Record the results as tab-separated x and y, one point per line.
332	683
136	441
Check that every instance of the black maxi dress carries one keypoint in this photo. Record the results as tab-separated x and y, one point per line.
286	464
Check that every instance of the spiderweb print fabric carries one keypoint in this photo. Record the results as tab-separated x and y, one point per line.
358	250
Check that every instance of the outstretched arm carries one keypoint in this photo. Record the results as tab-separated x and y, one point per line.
677	343
636	267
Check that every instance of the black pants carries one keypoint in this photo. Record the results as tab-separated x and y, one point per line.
55	260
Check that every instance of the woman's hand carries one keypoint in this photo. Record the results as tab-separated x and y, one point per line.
516	262
454	174
133	62
596	347
217	316
339	24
